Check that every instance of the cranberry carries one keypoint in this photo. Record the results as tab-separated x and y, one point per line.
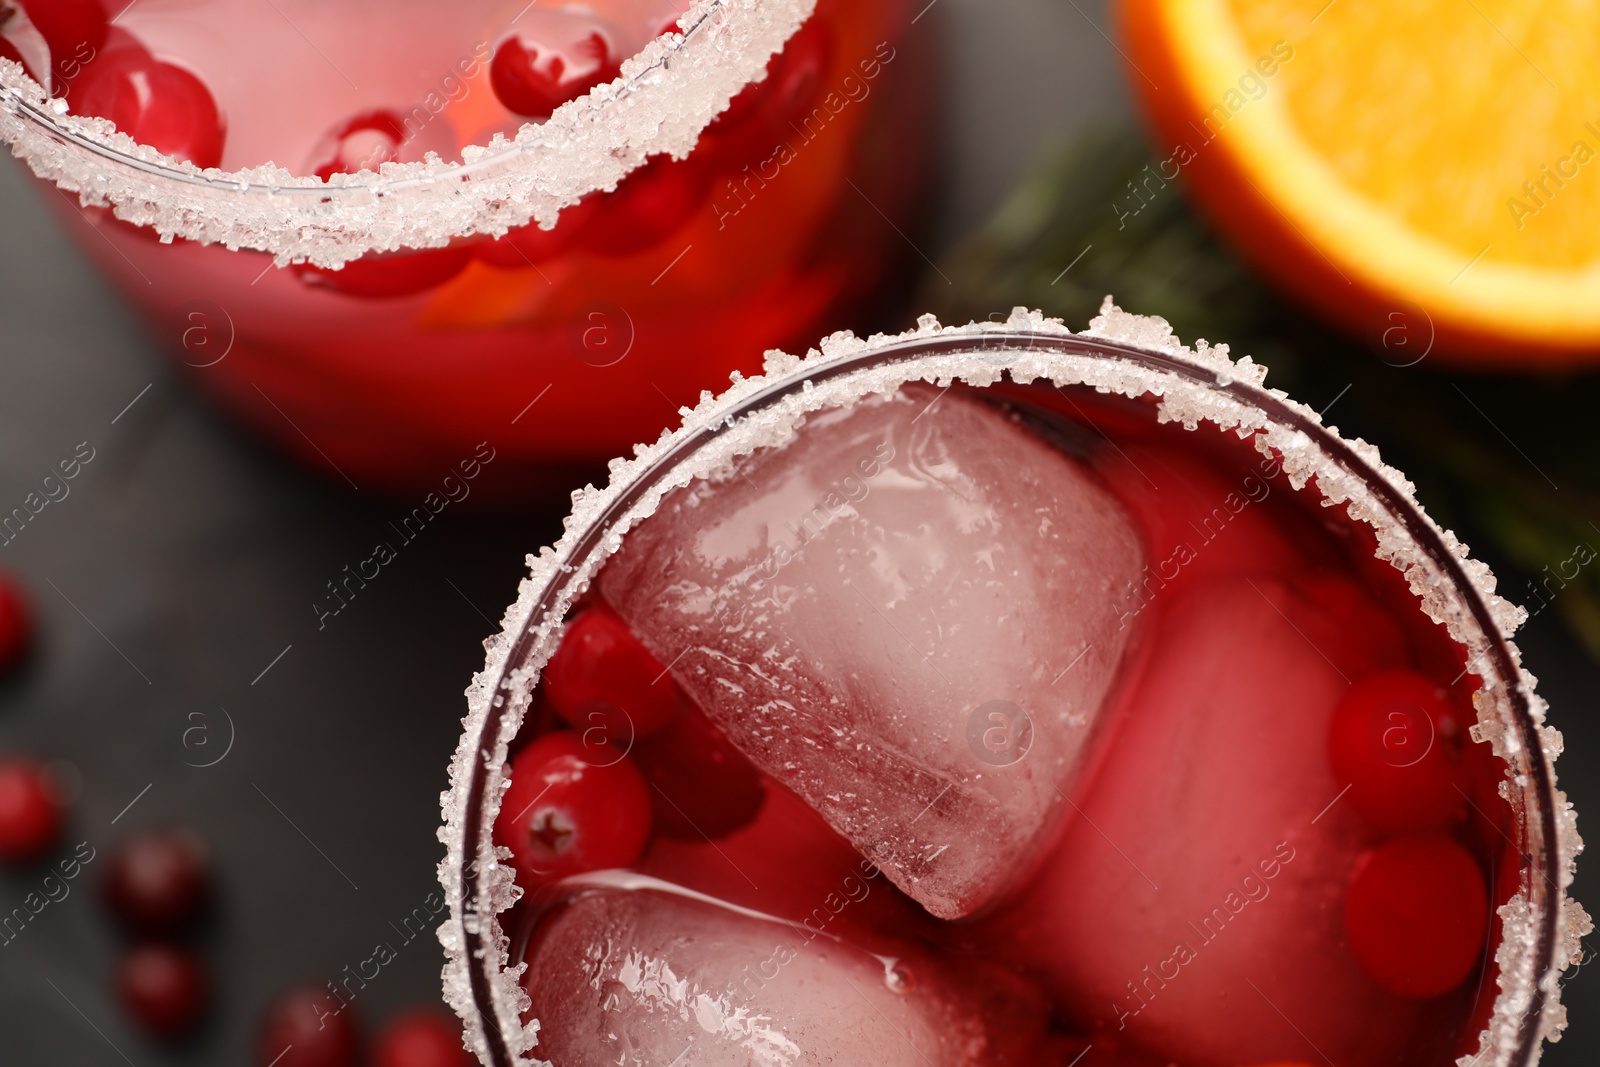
382	275
308	1027
533	77
164	988
157	882
73	30
651	204
603	676
1416	915
156	103
16	624
422	1038
365	142
69	27
565	813
703	787
1400	744
30	810
527	245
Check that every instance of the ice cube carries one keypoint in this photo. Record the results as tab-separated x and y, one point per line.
1195	902
909	615
635	972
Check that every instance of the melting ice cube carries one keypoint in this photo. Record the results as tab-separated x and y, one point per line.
638	973
910	615
1196	905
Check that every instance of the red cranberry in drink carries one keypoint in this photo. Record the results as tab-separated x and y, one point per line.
533	77
16	623
650	205
1399	744
702	786
602	677
156	103
365	142
425	1037
69	27
1417	914
157	882
73	30
572	808
308	1027
163	988
30	810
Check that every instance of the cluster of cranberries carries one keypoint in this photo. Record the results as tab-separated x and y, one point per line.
531	79
1416	914
304	1027
157	887
31	809
156	883
634	757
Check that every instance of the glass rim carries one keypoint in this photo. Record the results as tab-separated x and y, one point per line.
1119	353
666	94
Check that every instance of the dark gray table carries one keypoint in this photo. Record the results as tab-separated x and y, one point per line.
174	587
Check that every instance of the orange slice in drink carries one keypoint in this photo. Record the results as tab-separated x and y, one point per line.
1433	165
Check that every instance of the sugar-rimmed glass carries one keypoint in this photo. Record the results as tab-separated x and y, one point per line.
392	390
1119	355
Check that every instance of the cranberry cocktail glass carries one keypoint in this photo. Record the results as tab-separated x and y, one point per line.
1001	694
539	208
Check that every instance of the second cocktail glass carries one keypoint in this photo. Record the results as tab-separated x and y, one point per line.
461	320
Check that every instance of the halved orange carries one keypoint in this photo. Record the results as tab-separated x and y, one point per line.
1379	158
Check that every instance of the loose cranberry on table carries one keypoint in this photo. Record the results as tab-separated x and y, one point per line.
424	1037
164	988
564	814
157	882
305	1027
1400	744
1417	914
602	676
16	623
30	810
156	103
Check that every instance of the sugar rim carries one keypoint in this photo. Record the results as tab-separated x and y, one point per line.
666	95
1119	353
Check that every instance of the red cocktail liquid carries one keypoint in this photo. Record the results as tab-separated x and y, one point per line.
558	347
1006	727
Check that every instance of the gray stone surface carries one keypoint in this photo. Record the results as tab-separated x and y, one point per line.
183	565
